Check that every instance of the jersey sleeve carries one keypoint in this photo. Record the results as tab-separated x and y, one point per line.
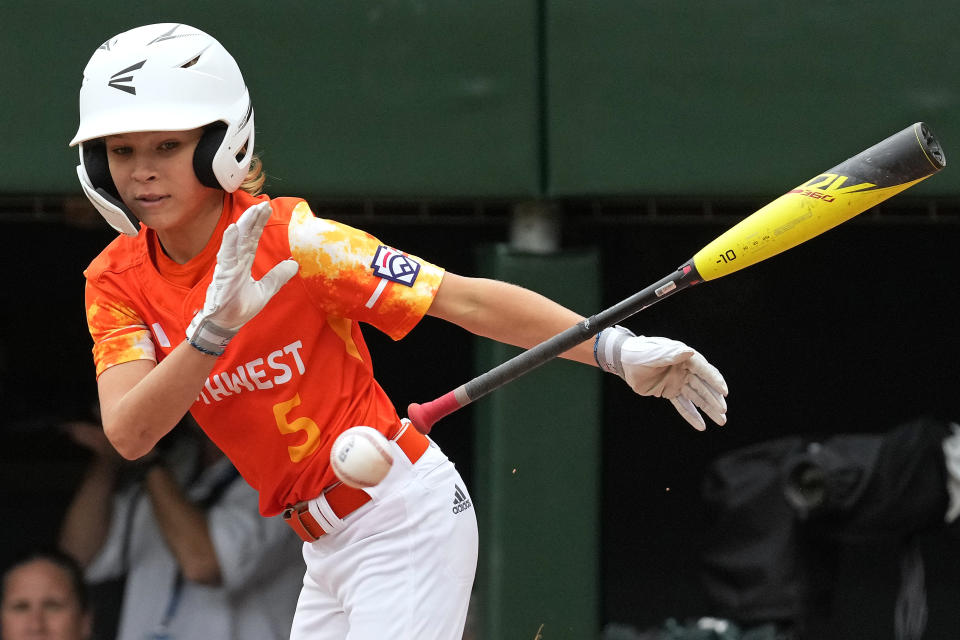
119	335
351	274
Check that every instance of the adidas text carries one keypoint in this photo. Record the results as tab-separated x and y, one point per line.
460	501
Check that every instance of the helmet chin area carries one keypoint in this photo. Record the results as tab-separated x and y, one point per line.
112	209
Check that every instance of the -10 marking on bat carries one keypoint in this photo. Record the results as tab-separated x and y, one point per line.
727	256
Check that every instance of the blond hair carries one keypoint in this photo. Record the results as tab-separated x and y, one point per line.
253	183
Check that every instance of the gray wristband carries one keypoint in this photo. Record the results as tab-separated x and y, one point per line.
606	348
209	338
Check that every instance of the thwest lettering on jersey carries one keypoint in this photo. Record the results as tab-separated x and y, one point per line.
265	372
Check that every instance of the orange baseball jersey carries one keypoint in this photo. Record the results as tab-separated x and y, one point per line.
298	373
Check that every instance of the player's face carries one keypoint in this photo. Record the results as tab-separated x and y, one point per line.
39	603
153	172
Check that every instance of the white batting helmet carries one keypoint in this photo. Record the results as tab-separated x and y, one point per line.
163	77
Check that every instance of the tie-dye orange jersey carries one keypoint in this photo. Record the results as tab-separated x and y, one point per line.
299	372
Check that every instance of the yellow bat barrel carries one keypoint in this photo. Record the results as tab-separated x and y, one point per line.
823	202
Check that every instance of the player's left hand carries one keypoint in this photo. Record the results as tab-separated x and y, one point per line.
668	369
233	296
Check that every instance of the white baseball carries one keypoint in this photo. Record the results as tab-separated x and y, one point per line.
360	457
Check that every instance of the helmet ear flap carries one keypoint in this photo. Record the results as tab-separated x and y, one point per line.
97	168
97	183
203	155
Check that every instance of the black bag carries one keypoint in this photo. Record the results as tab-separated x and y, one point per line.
777	511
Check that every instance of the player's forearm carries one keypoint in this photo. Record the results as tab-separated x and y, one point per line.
506	313
141	402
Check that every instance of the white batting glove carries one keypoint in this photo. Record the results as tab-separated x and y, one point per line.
666	369
233	296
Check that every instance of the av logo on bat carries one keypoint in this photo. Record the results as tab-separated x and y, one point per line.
827	185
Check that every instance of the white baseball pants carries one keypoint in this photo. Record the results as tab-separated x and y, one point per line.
401	566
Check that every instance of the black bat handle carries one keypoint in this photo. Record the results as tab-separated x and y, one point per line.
424	416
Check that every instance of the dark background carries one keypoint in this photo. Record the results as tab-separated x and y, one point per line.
651	127
851	332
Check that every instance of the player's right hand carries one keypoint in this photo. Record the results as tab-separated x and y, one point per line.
234	297
665	368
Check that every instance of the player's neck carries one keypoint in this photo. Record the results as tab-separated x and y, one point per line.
185	242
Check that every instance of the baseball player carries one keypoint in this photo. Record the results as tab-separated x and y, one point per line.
246	310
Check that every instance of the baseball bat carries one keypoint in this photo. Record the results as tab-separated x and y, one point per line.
819	204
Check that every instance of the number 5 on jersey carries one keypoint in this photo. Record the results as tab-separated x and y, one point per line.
281	412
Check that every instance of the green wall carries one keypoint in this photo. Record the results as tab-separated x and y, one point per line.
358	98
537	470
741	97
521	98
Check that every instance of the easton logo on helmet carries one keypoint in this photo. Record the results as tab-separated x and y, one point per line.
129	88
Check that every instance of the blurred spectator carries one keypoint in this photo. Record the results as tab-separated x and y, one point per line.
183	528
43	597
